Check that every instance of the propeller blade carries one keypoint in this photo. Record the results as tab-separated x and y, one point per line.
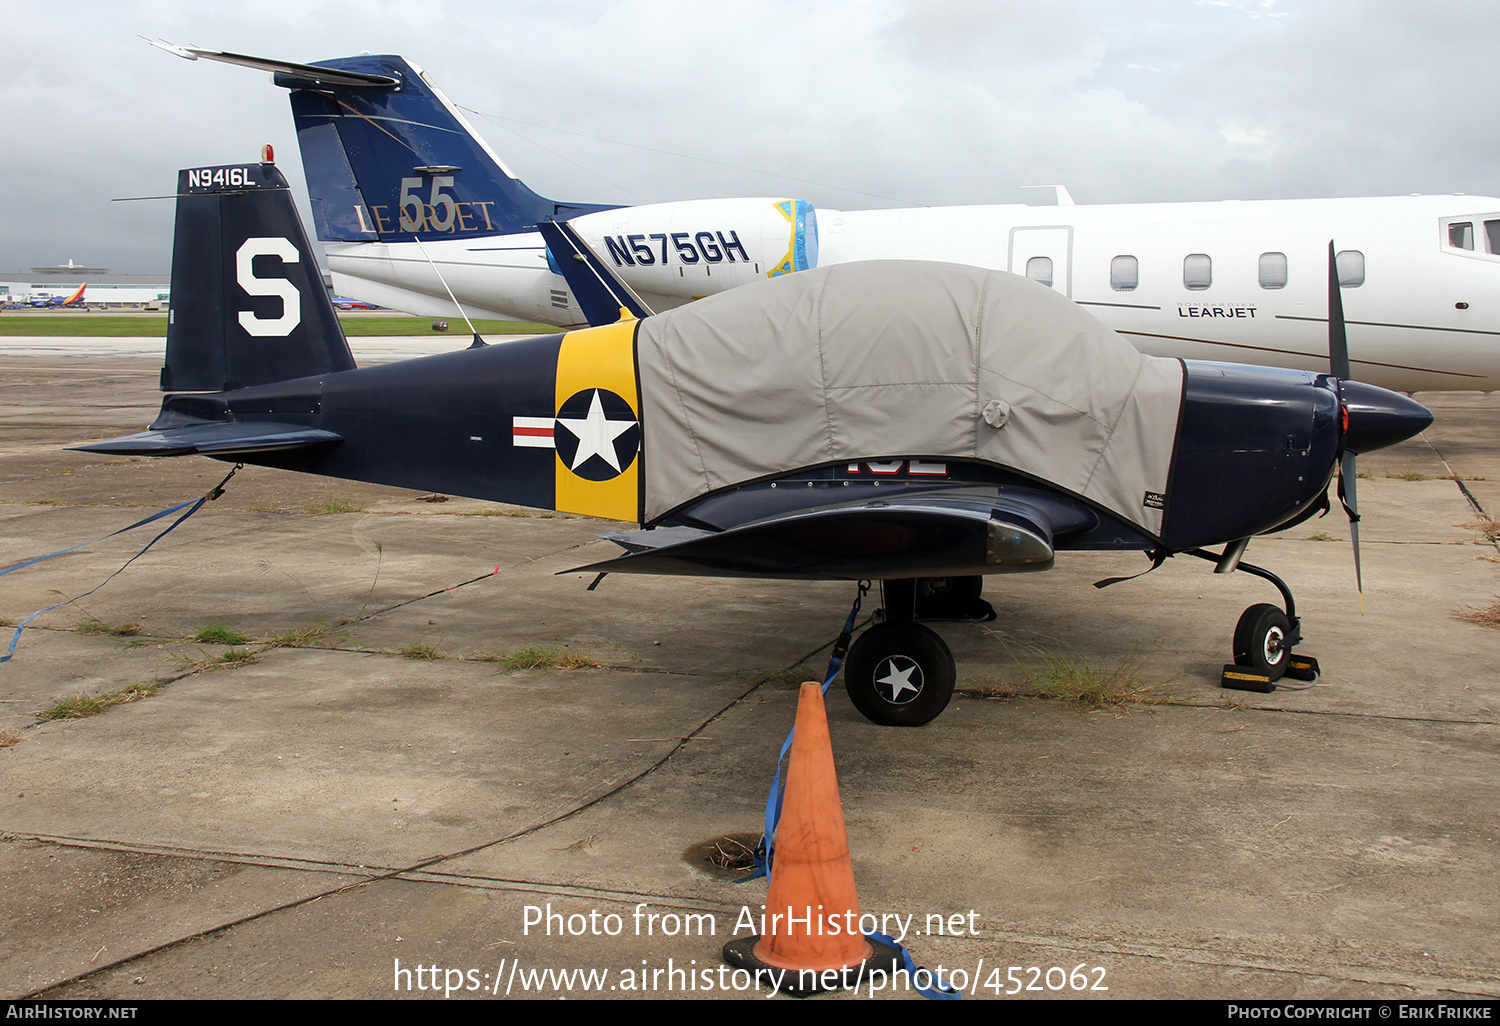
1338	338
1338	365
1347	477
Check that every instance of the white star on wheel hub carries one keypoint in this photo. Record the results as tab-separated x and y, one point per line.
899	681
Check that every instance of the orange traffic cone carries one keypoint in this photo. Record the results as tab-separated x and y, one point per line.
812	941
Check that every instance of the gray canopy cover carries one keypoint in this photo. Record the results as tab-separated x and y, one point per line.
894	358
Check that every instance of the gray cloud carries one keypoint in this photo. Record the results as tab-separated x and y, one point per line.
949	102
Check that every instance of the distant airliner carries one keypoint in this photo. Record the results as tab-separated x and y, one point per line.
423	216
74	300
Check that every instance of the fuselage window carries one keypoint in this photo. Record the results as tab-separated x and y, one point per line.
1273	270
1039	269
1197	271
1461	235
1492	235
1125	273
1351	265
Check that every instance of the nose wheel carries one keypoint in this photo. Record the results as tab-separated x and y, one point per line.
1264	639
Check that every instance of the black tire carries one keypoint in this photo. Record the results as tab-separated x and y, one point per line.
911	657
1260	640
948	598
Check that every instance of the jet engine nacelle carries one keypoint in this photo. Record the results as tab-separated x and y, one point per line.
697	248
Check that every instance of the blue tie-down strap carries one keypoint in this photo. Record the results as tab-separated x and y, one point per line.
196	505
939	991
764	850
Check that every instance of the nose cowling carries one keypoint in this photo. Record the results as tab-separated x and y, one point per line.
1379	417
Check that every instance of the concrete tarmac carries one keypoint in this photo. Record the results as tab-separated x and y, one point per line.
368	798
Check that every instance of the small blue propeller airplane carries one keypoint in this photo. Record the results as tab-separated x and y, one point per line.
920	424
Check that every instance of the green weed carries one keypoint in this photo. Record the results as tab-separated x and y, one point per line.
535	657
220	634
313	635
337	506
235	657
1074	679
80	706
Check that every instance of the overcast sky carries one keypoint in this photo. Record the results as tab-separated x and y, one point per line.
858	104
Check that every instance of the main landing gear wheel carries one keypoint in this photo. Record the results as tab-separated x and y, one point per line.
900	674
1261	640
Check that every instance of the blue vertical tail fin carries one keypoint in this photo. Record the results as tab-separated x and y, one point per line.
390	159
248	302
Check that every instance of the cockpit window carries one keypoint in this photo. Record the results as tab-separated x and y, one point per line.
1460	236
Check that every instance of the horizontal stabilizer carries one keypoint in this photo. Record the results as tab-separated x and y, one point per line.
309	74
935	538
599	291
213	440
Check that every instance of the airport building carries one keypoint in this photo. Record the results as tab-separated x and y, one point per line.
104	288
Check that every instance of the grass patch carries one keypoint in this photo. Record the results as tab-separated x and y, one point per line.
313	635
363	325
113	630
126	325
1487	617
235	657
1486	526
154	325
337	506
8	737
540	514
220	634
47	502
1410	475
535	657
1322	536
1073	679
80	706
420	650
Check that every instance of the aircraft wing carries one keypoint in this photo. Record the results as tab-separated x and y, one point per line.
921	536
218	439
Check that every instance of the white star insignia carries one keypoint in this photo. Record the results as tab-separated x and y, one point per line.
899	680
596	435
